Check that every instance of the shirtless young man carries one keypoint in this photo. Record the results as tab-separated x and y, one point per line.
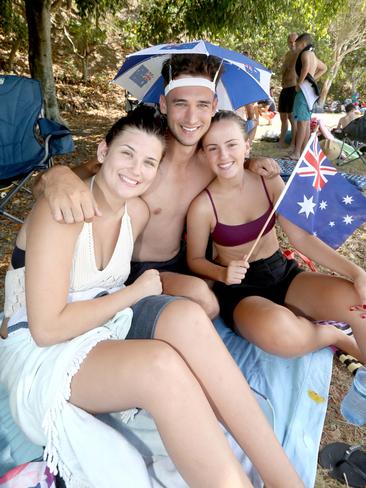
182	175
288	92
308	67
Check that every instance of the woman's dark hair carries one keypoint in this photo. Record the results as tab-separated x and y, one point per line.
145	118
232	116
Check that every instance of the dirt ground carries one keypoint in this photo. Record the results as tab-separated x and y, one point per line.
88	121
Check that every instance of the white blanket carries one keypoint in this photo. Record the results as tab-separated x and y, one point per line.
38	381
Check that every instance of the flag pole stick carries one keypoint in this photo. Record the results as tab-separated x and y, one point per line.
280	198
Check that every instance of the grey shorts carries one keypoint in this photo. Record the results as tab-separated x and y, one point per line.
146	314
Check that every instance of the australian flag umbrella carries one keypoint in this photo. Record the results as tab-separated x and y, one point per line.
243	80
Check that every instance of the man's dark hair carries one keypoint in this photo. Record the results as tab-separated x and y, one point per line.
191	64
349	107
304	37
145	118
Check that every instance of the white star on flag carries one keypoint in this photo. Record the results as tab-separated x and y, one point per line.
331	223
307	206
323	205
347	200
348	219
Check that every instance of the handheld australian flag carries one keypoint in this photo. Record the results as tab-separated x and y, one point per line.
320	200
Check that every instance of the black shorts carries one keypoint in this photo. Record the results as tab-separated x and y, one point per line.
146	313
286	100
178	264
268	278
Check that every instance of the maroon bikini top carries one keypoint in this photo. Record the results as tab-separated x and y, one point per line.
235	235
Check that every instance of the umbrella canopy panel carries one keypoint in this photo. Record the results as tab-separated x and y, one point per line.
243	80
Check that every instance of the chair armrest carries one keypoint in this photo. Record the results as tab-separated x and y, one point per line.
57	136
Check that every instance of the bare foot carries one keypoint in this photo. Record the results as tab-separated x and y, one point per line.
293	155
349	345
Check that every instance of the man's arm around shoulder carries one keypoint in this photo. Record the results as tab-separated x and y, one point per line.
263	166
69	198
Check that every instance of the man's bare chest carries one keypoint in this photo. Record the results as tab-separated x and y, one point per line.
170	197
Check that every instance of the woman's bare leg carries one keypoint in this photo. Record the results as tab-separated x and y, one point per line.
191	287
117	375
187	329
326	297
279	331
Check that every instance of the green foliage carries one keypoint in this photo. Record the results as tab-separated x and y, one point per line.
352	76
170	19
128	31
12	20
257	26
85	35
160	21
6	15
97	8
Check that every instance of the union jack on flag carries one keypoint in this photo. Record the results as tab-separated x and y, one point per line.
320	200
316	164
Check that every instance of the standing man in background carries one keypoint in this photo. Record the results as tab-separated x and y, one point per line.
287	95
308	70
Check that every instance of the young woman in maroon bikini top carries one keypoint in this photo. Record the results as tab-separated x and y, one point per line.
266	298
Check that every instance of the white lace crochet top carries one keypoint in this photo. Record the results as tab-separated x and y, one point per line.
84	273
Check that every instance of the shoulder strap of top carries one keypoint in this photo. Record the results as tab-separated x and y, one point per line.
91	183
265	189
212	203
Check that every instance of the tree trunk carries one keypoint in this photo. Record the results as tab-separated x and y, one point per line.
84	61
14	49
329	80
40	52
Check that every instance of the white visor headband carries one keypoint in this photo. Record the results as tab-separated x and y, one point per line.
193	81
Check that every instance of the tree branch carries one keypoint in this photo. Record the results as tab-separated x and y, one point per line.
68	37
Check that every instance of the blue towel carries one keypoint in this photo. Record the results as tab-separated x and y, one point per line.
15	448
298	391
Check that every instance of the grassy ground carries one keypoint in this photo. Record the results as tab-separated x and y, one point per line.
89	110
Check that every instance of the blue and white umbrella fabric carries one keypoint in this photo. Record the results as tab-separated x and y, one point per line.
243	80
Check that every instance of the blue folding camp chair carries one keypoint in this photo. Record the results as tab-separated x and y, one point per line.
354	139
27	139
